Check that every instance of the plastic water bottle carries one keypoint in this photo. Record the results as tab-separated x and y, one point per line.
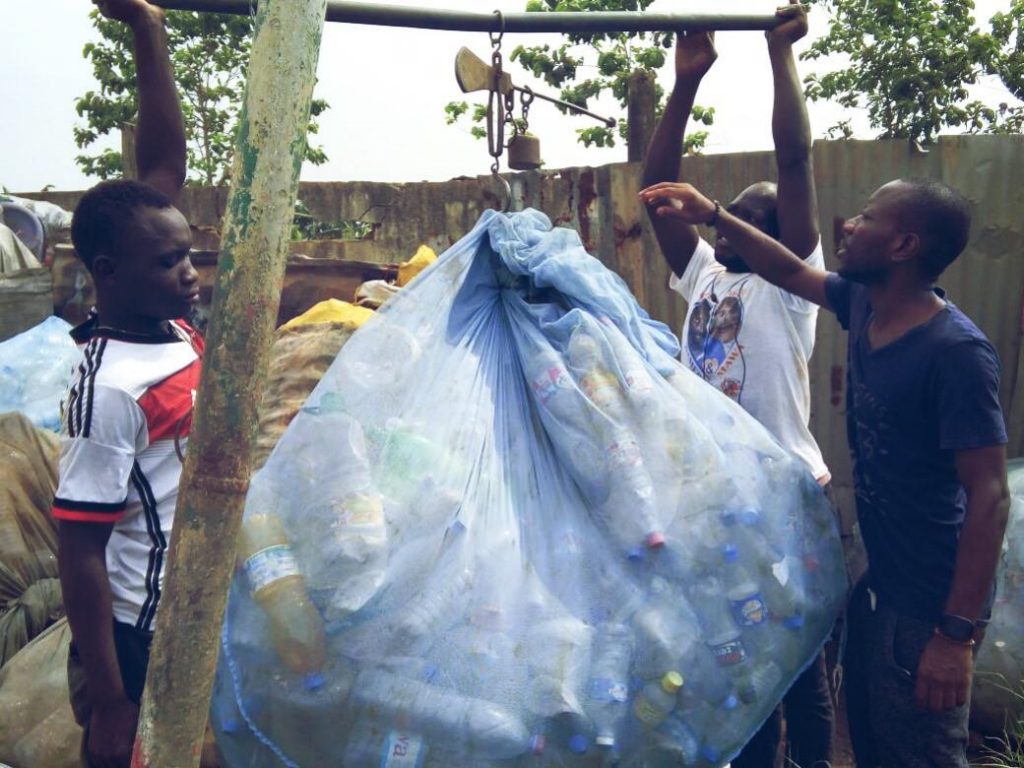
637	382
557	651
598	383
555	390
632	504
296	628
745	526
372	746
657	699
667	630
608	689
761	683
781	601
432	605
721	634
353	549
676	744
470	725
744	595
485	660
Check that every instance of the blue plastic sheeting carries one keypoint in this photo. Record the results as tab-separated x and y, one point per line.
503	519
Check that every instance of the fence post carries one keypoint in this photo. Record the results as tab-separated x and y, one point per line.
640	113
269	149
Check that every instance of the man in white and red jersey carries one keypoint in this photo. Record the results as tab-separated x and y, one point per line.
128	411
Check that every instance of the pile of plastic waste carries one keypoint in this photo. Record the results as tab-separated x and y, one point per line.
36	367
997	699
508	527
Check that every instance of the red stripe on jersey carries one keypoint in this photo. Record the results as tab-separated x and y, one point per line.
168	404
77	515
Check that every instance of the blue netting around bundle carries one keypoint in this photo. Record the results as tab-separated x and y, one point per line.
509	528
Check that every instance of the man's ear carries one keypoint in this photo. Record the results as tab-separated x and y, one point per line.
907	246
103	268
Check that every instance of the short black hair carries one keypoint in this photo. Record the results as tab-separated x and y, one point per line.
940	217
104	209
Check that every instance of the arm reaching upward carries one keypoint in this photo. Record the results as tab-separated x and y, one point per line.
695	53
767	257
160	135
797	200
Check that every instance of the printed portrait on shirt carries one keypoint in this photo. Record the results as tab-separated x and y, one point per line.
713	341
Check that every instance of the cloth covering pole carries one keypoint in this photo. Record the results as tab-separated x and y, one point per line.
463	21
269	149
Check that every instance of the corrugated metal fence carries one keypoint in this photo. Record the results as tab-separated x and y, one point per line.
601	204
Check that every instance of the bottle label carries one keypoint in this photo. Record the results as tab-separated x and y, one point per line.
624	454
402	750
599	386
606	689
646	712
359	510
637	381
749	610
728	653
269	565
547	384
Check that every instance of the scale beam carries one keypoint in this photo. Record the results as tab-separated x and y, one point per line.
468	21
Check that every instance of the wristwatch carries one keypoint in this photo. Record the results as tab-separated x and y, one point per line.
956	627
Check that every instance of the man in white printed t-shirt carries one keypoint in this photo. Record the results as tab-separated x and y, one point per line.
744	336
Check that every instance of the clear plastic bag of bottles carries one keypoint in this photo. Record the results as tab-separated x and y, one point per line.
997	699
36	367
509	528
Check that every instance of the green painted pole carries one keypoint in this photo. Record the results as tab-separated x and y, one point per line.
269	150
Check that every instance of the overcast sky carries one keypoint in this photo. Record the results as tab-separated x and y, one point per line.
387	89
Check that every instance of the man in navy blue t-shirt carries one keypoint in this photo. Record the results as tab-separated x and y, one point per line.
928	441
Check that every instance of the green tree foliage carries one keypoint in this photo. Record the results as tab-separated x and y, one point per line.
566	68
209	53
910	63
1008	63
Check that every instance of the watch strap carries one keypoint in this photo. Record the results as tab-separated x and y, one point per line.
956	627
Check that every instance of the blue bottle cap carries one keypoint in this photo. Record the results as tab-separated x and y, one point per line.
794	622
578	744
730	552
231	725
430	672
710	753
730	703
750	516
313	681
635	555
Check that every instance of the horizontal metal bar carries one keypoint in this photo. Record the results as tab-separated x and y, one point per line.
610	122
464	21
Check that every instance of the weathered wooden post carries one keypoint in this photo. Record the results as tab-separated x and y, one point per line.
642	103
269	150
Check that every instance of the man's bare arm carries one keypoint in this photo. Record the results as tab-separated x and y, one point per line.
946	668
81	562
160	134
791	130
695	53
764	255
